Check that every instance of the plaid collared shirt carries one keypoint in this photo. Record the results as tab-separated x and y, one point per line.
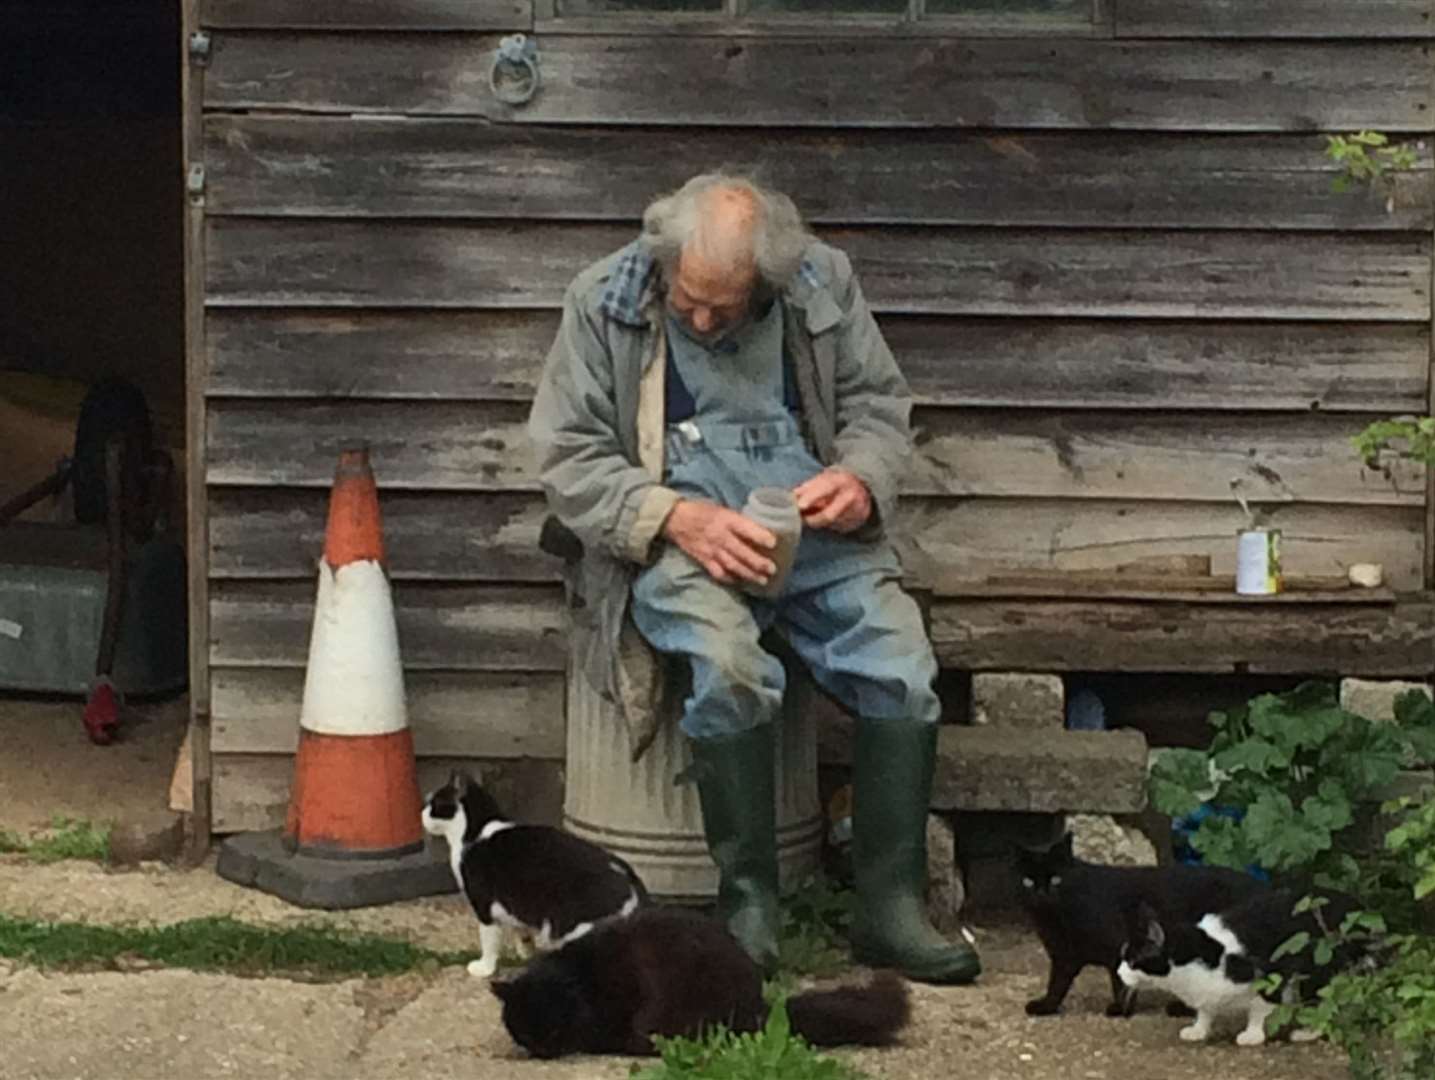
635	278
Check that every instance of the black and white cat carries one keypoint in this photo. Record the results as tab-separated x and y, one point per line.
525	879
1212	965
669	971
1082	912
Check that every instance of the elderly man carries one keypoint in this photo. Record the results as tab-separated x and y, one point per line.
726	349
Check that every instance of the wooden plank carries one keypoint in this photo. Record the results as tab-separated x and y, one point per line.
370	14
953	82
441	627
455	714
1035	635
1207	275
477	446
1068	364
826	24
1276	18
977	537
462	446
321	166
1211	589
1278	458
279	532
467	446
1430	473
1058	363
251	791
275	533
457	356
200	824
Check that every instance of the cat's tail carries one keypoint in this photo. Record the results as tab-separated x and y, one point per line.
868	1015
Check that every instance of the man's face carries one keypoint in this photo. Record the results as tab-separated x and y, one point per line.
708	302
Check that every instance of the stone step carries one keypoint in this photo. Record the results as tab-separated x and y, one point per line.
993	768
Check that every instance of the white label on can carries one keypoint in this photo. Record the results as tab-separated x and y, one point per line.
1258	563
11	629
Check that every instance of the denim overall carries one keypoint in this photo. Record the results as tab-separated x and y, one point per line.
730	428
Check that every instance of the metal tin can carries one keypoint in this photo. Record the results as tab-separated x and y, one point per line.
1258	562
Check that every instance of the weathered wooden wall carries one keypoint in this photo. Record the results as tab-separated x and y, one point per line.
1111	262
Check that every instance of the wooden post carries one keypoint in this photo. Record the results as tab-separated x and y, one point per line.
196	510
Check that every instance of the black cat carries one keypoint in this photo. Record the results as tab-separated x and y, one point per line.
529	879
669	971
1082	912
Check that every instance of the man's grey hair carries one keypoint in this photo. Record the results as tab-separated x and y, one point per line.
779	237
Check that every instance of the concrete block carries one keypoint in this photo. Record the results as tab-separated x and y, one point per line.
1375	698
993	768
154	837
1018	699
1100	838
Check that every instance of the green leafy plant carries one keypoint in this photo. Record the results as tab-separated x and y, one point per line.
1302	771
813	937
774	1053
1383	1019
1367	158
1407	438
1381	1013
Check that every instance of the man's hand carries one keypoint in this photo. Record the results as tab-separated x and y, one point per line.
726	544
834	499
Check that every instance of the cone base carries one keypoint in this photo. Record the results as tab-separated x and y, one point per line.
263	860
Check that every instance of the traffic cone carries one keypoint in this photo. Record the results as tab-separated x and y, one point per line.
353	835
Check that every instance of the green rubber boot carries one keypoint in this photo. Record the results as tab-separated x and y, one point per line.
891	789
738	793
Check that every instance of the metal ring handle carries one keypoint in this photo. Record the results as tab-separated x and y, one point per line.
515	51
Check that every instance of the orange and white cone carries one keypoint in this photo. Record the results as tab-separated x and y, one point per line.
355	783
354	831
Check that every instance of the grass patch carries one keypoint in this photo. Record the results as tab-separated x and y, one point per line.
217	944
66	838
774	1053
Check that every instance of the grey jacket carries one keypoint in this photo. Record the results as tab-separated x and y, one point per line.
597	426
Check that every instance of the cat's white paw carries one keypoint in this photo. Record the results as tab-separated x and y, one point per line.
1251	1038
483	969
1304	1035
1194	1033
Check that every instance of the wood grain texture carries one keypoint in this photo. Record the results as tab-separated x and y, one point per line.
196	512
477	446
1275	18
460	714
432	355
271	533
978	536
1033	635
251	791
919	271
431	536
441	627
311	166
1055	363
949	82
370	14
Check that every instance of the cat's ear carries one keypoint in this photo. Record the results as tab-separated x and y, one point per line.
1063	848
1149	924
